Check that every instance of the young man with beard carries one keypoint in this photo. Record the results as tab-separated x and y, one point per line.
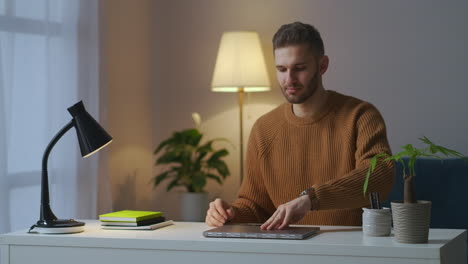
307	159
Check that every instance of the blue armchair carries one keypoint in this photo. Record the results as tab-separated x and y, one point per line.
445	183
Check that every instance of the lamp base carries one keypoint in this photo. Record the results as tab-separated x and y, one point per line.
59	226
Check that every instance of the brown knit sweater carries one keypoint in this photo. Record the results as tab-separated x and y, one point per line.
329	151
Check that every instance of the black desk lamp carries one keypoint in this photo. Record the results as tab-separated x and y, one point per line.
91	137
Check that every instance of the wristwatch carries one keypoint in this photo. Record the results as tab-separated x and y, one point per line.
313	199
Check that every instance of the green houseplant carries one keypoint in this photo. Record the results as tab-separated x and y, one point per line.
411	217
409	171
189	163
186	161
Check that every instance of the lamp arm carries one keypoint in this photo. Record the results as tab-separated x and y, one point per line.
46	213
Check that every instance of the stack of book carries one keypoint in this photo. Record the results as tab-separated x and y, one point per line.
129	219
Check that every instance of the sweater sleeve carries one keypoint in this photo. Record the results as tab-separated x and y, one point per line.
253	204
347	191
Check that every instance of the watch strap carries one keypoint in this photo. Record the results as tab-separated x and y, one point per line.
313	198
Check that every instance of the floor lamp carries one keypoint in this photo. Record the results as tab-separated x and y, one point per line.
240	68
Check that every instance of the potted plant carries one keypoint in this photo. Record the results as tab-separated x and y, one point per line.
411	217
186	162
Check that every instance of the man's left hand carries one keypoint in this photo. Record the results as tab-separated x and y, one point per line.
288	213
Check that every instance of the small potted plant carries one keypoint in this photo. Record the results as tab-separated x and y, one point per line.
411	217
186	162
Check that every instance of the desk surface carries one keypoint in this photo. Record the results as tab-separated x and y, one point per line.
331	240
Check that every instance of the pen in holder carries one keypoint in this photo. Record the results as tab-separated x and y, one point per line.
376	221
375	200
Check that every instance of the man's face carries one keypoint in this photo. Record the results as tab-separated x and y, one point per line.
297	71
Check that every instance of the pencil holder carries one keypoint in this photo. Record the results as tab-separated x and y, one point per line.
376	222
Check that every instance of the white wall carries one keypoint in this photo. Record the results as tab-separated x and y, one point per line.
409	58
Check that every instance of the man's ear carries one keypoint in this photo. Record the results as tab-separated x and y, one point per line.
323	65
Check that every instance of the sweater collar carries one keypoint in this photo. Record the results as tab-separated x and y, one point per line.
292	118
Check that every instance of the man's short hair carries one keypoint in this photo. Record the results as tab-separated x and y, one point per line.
299	33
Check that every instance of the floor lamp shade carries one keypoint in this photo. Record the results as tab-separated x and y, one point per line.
91	137
240	64
240	67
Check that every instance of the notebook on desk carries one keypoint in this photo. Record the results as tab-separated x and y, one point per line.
254	231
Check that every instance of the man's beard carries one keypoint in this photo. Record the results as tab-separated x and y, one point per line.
307	92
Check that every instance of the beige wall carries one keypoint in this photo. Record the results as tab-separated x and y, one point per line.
127	60
187	35
385	52
152	87
155	84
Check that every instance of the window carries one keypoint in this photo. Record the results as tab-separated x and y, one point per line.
38	78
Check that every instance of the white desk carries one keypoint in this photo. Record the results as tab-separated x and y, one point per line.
184	243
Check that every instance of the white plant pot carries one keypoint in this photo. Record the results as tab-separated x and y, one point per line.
376	222
411	221
193	206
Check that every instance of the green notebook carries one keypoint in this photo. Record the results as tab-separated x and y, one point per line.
129	216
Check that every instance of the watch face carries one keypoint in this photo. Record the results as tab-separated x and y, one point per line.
306	191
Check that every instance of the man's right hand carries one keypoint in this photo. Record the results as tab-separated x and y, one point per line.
219	213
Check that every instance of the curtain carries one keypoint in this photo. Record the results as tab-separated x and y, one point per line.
48	61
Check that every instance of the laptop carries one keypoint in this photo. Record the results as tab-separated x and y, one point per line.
254	231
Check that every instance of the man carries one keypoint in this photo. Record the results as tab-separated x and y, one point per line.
318	145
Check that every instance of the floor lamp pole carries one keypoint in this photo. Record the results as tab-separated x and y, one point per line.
241	139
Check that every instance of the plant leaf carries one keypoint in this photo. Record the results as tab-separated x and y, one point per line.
163	144
205	147
199	181
191	137
173	184
169	157
426	140
204	150
214	177
366	181
193	168
409	148
220	166
219	154
372	165
158	179
446	151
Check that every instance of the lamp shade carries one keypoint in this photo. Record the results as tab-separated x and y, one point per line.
91	136
240	64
